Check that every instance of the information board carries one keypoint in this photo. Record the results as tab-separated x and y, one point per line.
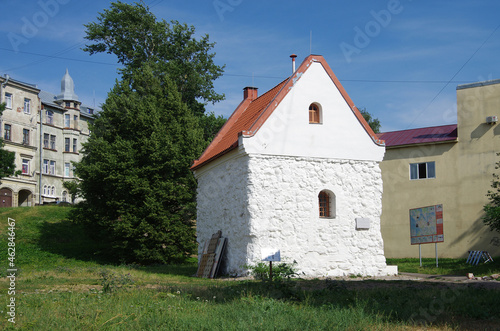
426	225
271	254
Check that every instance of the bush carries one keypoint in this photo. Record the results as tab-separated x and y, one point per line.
281	272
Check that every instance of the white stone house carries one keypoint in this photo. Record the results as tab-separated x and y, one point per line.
295	169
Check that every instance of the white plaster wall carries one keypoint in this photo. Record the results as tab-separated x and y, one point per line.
288	132
222	204
283	209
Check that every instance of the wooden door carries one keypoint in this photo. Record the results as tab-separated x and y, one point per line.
5	198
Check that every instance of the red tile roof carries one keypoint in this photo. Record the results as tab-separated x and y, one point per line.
250	115
241	120
433	134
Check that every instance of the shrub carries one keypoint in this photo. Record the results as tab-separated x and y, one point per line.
282	271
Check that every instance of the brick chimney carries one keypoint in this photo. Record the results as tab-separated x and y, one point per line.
250	93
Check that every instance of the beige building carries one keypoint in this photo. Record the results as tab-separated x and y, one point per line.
46	133
449	165
19	130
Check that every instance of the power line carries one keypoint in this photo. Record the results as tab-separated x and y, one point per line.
59	57
56	56
451	79
47	58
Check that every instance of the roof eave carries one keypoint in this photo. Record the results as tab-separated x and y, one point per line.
455	140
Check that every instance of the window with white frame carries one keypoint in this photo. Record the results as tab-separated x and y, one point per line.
75	122
45	169
46	140
66	144
66	120
52	142
66	169
423	170
8	100
52	168
75	145
53	191
26	166
44	189
64	196
27	106
49	117
26	136
7	132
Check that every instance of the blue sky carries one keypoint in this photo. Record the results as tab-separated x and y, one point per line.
401	60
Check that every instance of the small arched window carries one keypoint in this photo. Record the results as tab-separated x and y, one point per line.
327	204
44	189
53	191
314	113
64	196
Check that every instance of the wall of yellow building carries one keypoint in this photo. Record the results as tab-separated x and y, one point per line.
463	177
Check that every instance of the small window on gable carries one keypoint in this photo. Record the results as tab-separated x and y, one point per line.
314	113
327	204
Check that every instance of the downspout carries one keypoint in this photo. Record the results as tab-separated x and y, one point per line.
2	87
40	153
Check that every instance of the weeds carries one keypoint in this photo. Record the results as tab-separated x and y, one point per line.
280	272
110	281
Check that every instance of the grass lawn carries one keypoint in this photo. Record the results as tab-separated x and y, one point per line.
446	266
65	281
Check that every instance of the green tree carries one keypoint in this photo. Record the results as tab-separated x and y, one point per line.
374	123
211	124
135	36
7	165
492	209
73	189
139	192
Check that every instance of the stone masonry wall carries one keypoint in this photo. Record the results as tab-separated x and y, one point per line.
284	214
222	204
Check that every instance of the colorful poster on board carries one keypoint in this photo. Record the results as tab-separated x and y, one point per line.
426	225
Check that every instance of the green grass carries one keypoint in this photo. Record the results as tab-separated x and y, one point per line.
63	284
446	266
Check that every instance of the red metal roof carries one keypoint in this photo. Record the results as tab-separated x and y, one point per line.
433	134
250	115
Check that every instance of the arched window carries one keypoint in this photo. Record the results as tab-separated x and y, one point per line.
64	196
44	189
53	191
314	113
327	204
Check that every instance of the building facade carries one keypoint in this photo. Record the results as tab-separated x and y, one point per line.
449	165
296	170
19	129
46	139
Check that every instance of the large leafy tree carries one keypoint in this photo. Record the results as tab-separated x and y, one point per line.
492	209
7	165
374	123
135	36
139	192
